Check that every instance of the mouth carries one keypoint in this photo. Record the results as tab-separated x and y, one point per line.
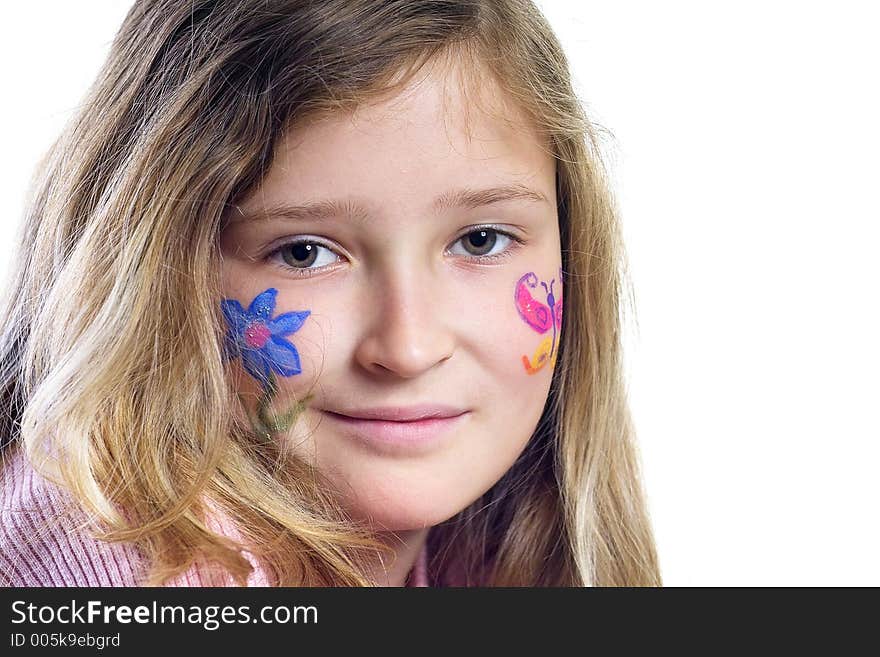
419	432
414	413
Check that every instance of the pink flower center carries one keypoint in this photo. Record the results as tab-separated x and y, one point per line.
256	335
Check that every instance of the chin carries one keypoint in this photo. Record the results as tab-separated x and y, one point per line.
410	490
403	518
393	506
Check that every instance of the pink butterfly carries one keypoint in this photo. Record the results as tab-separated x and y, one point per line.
541	317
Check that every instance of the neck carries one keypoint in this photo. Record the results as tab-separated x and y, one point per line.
406	546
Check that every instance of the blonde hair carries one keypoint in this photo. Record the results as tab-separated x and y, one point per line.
111	348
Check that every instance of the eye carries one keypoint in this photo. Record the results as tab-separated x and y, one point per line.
481	243
303	256
306	257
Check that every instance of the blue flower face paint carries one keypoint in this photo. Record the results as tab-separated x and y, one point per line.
259	338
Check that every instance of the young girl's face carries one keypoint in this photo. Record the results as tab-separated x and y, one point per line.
413	244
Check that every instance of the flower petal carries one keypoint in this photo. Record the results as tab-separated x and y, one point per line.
282	356
287	323
256	364
235	315
263	304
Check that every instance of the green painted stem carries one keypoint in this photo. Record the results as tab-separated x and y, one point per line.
270	422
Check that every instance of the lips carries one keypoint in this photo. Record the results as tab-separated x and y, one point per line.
416	428
403	413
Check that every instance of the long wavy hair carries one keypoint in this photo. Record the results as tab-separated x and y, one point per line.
111	349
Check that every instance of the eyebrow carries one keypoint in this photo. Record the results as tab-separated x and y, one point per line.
467	198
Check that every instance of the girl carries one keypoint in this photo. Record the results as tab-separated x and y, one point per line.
288	310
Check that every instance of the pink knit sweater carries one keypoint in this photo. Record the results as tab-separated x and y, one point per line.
40	548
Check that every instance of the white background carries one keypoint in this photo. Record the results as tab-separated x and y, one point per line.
745	155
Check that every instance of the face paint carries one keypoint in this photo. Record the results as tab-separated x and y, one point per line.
259	339
541	317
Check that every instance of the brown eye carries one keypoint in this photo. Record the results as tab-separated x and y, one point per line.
300	254
485	244
304	257
480	242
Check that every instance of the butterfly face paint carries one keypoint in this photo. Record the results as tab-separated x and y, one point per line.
259	339
541	317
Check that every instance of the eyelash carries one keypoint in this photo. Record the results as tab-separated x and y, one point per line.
515	243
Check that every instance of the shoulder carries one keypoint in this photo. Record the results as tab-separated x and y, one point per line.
43	541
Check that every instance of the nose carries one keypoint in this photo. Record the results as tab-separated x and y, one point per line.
409	331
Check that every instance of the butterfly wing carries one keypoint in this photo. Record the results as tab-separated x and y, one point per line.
557	310
541	356
534	313
557	303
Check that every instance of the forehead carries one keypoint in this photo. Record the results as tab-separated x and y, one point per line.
446	128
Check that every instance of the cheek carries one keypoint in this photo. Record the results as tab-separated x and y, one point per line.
272	342
538	301
521	327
